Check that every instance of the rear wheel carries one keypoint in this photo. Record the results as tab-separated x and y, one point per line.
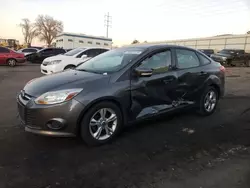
11	62
69	67
208	101
101	123
247	63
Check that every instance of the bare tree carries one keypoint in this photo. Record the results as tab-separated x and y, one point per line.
29	30
48	28
135	41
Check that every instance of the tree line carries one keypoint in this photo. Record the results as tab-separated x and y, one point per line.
45	28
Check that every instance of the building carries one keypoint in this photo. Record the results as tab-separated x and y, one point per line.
10	43
216	42
71	40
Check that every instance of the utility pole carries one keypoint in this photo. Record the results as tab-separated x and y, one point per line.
107	23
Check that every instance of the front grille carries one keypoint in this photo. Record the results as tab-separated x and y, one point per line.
31	119
21	111
27	116
217	58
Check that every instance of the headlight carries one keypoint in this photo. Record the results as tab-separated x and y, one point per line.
56	97
54	62
224	58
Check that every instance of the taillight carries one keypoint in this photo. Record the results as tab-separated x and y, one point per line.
222	69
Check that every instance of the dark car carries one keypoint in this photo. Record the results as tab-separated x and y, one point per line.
232	57
40	55
208	52
10	57
118	87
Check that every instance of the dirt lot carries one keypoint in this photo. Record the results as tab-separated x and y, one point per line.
183	150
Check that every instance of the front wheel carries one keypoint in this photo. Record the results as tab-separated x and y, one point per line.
208	101
101	123
69	67
11	62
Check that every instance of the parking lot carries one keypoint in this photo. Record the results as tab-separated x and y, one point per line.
183	150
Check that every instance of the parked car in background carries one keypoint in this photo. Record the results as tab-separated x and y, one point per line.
39	56
232	57
69	60
208	52
10	57
118	87
27	51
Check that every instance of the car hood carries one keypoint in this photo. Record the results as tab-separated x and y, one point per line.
221	55
59	57
63	80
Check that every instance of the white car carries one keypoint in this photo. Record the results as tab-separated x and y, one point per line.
69	60
27	51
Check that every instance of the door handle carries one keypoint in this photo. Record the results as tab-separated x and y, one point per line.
202	73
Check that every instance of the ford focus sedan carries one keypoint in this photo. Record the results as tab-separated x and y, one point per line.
101	96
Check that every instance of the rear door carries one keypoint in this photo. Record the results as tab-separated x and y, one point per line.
154	94
4	54
192	73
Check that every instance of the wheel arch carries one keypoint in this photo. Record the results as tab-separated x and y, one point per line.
99	100
215	82
10	58
70	65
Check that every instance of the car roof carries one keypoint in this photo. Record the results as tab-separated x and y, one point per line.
156	46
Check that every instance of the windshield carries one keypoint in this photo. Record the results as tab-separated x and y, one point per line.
110	61
74	51
226	52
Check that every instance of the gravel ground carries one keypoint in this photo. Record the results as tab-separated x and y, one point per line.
183	150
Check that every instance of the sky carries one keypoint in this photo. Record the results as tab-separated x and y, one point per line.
150	20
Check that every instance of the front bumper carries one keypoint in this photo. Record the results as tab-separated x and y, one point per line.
36	118
50	69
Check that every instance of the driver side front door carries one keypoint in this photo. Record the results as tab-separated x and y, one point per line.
154	94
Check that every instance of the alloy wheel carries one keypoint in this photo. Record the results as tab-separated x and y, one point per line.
12	62
103	124
210	101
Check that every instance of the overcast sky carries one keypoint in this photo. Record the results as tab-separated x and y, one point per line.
151	20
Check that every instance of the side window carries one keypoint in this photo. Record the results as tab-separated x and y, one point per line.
186	59
204	60
4	50
47	51
159	62
92	52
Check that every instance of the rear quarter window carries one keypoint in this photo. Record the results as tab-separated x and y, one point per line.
204	60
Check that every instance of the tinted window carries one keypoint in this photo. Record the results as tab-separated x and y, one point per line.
159	62
89	42
203	59
98	43
70	40
92	52
186	59
4	50
74	52
29	50
47	51
59	51
80	41
106	44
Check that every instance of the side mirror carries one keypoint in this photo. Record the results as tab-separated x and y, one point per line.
143	72
84	56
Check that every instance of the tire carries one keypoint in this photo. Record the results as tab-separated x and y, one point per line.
11	62
69	67
204	104
247	63
89	133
